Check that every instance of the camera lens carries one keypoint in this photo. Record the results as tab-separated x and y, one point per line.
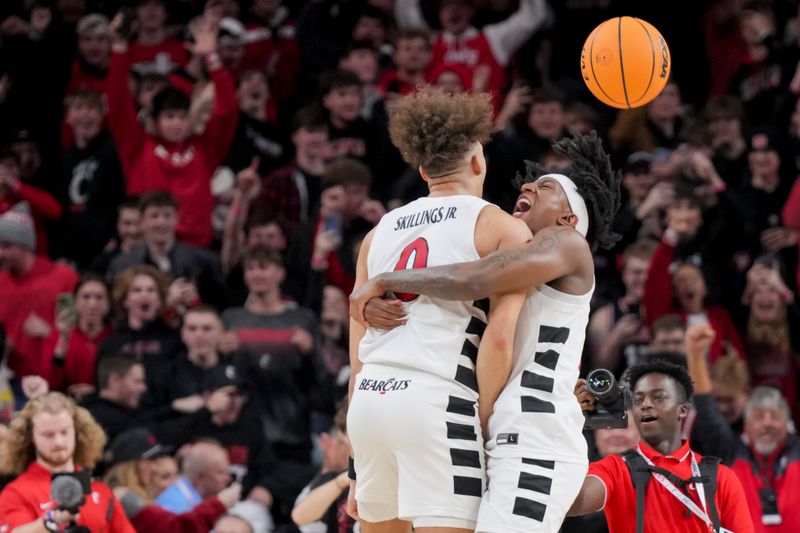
600	381
602	385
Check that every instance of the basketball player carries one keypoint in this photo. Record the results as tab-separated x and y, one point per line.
536	454
415	434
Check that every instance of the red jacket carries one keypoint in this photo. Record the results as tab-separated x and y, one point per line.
35	292
785	481
276	52
154	519
657	301
27	498
184	170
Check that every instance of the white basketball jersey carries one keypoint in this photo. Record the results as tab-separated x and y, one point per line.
537	413
441	337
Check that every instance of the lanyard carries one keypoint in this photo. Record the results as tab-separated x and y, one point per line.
685	500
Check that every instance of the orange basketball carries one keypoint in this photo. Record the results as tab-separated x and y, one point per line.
625	62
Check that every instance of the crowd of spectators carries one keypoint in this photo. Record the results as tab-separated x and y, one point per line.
184	185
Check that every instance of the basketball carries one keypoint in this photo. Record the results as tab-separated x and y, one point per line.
625	62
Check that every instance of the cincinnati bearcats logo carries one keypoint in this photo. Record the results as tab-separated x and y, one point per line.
382	386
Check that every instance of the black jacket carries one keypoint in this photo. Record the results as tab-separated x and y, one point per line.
196	264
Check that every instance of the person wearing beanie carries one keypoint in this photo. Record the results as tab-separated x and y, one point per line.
30	285
16	188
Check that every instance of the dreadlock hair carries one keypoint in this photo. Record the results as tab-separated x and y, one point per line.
661	366
597	183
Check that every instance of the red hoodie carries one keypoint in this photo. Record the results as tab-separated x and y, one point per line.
185	170
35	292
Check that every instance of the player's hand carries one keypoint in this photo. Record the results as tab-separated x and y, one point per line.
699	339
352	504
361	296
585	398
383	313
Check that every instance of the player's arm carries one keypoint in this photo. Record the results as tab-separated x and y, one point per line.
357	330
495	354
553	253
591	498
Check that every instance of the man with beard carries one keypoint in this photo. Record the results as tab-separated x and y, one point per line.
52	435
661	393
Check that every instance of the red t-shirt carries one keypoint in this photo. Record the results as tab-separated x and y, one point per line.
34	292
185	170
27	498
663	511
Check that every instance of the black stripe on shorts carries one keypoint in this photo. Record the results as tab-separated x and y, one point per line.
529	509
460	431
550	465
535	483
470	458
460	406
468	486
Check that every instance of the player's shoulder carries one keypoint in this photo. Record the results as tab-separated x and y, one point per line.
496	223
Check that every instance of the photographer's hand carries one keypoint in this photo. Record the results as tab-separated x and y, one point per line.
585	398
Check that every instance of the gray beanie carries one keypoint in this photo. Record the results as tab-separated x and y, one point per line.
16	226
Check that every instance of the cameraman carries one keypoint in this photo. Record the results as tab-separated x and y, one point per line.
50	435
661	394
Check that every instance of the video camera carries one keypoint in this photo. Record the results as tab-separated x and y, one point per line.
613	400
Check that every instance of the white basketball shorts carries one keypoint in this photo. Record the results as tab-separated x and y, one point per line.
417	448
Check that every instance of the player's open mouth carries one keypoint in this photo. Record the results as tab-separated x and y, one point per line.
523	205
649	418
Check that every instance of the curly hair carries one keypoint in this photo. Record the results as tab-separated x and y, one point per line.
124	280
597	183
18	450
661	366
435	130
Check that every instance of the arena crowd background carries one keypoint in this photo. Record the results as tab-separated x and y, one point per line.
211	253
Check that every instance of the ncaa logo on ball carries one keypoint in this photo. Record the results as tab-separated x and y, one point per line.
603	57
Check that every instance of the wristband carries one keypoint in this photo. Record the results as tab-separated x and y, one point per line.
351	469
50	524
